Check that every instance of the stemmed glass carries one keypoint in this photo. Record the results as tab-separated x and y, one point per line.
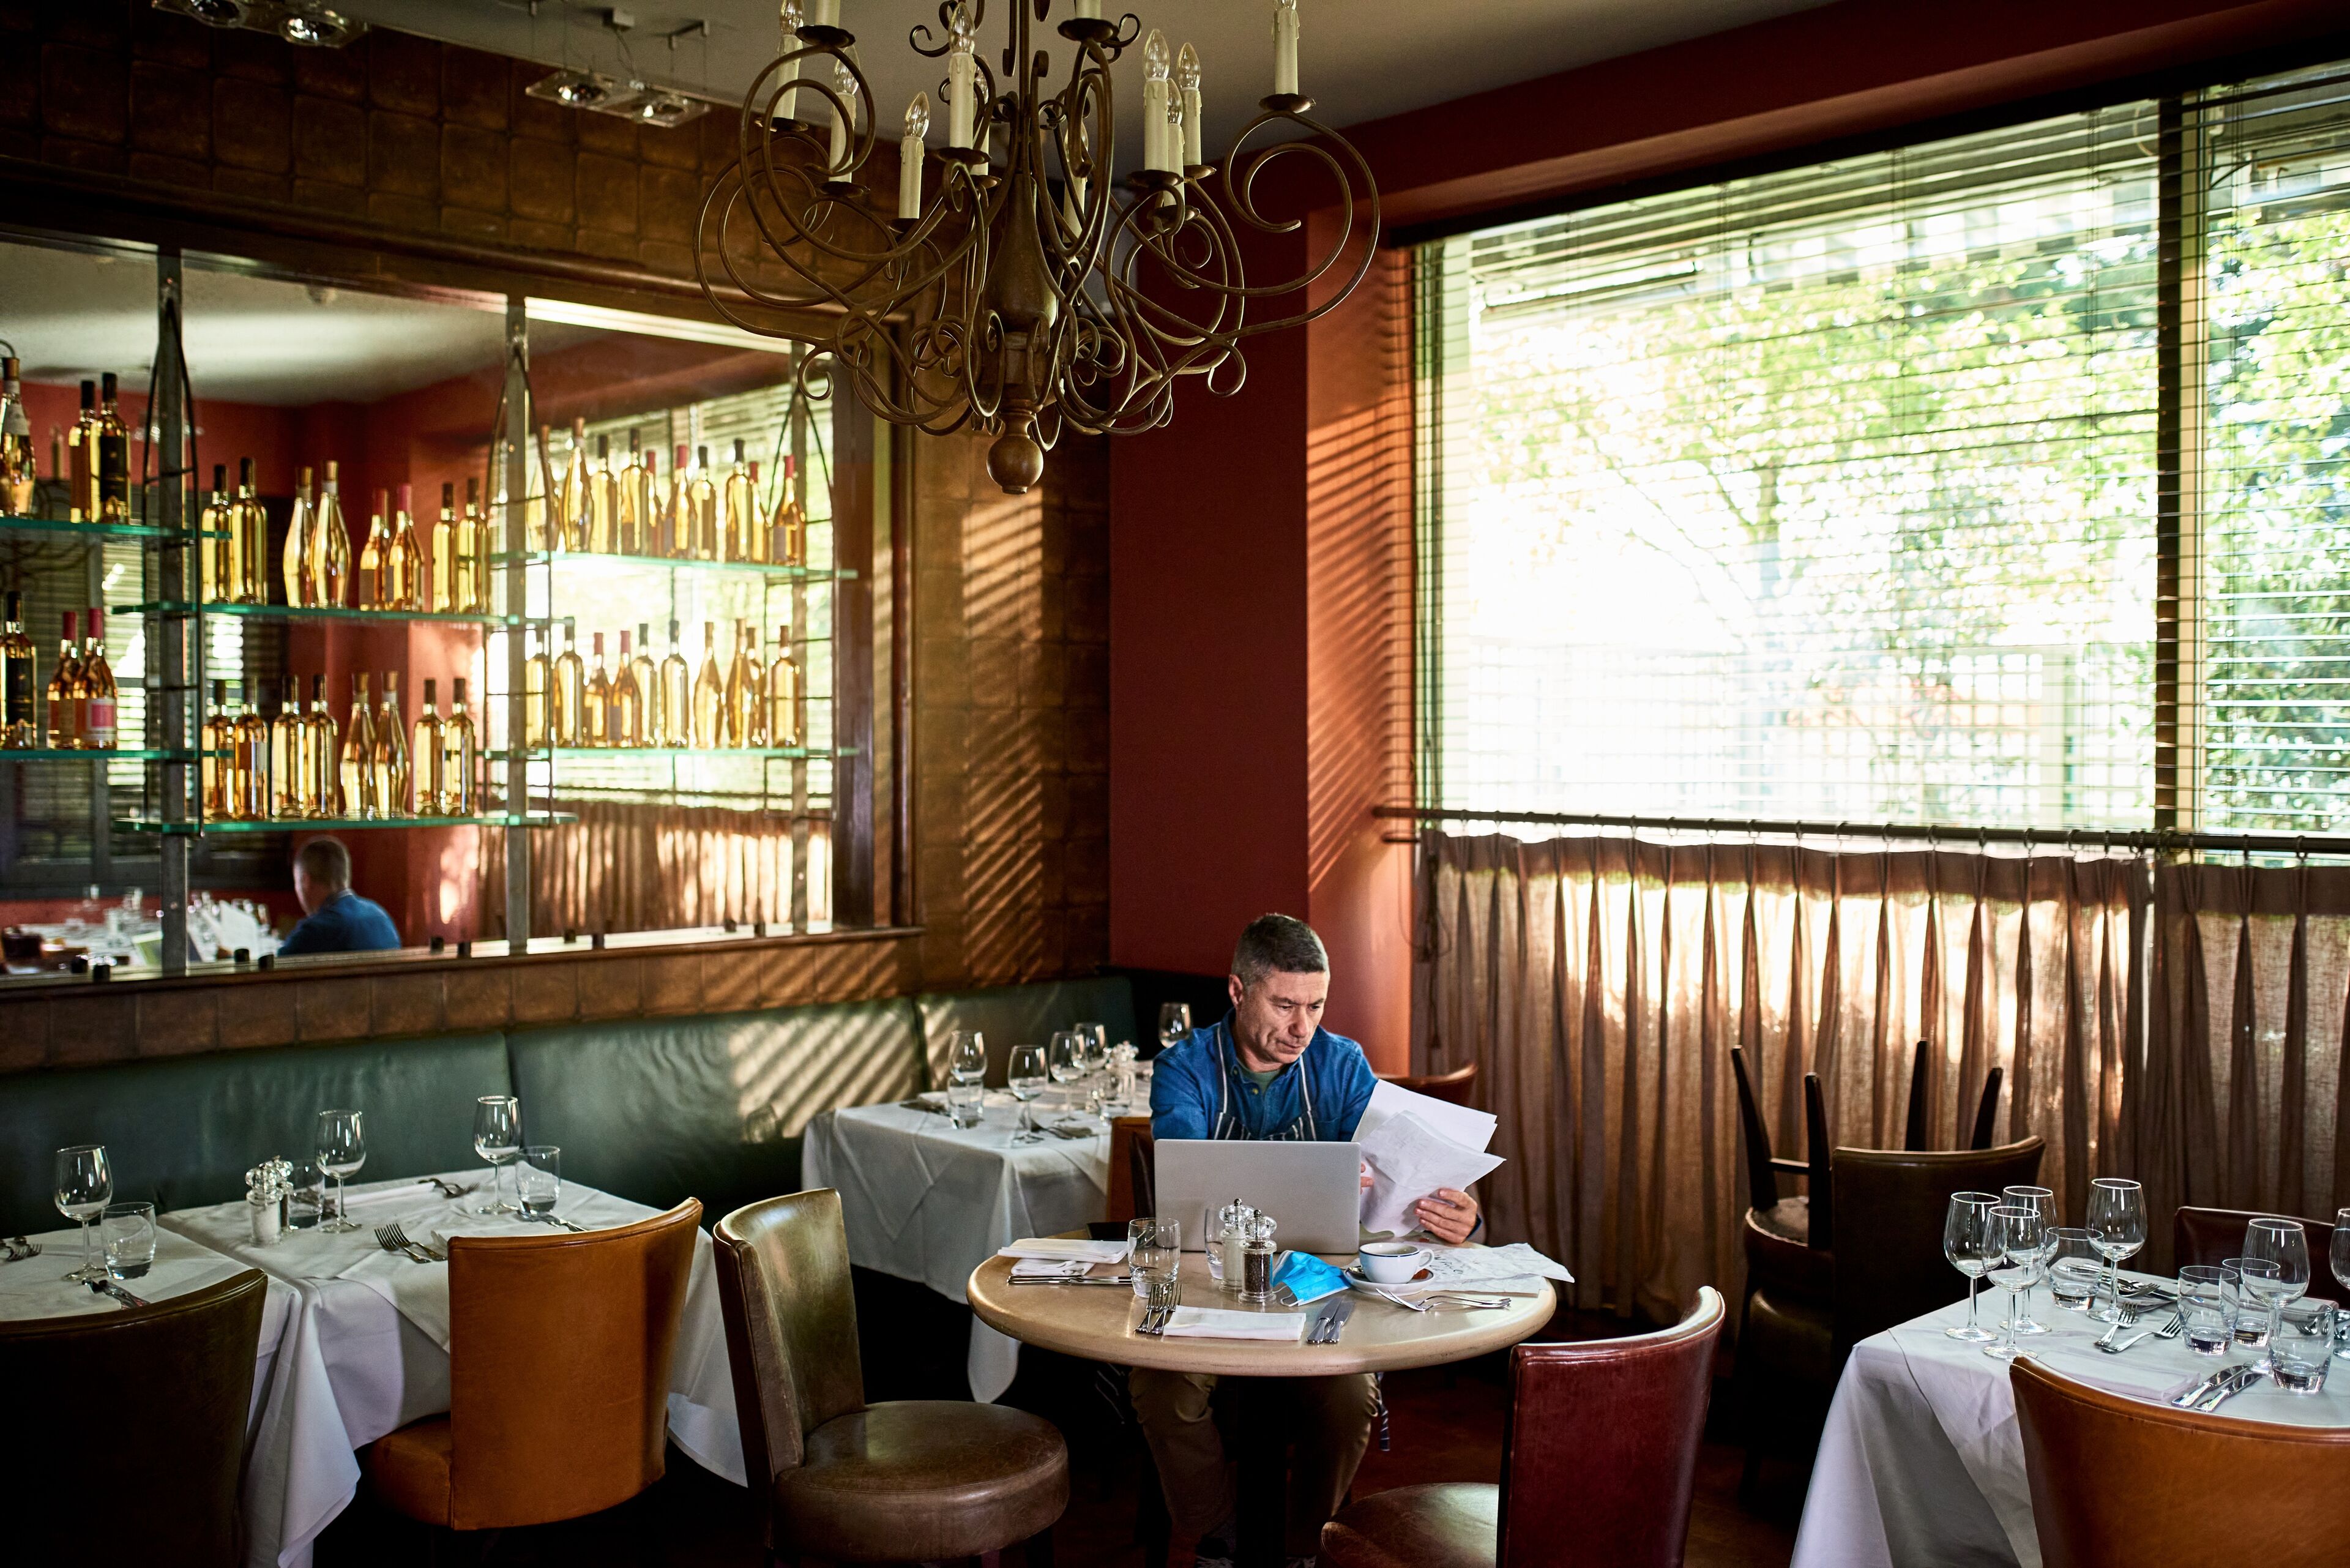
2284	1243
2339	1256
1967	1243
1027	1079
84	1184
1094	1040
1174	1022
2043	1202
497	1138
2116	1222
1068	1057
967	1058
342	1149
2019	1236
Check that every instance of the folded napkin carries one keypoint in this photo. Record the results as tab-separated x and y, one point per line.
1216	1323
1052	1248
1026	1269
485	1225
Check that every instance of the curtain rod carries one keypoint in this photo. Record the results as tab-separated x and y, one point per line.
2075	837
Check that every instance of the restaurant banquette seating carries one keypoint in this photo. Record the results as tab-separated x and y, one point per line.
557	1410
94	1382
2209	1236
2119	1481
840	1479
1598	1464
657	1110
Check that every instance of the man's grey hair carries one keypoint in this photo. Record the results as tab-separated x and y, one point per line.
1278	943
326	862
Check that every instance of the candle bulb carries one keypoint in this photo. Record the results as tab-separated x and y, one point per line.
909	158
1156	154
1284	46
843	82
962	79
1089	10
824	13
1187	78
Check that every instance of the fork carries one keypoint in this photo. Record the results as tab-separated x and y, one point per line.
2128	1318
2170	1330
19	1248
391	1239
400	1239
1154	1321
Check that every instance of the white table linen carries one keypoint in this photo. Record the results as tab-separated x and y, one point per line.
928	1201
366	1351
1921	1462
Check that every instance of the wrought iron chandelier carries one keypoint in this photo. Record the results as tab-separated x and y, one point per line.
1018	291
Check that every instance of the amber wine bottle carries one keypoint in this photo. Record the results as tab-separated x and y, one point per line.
632	503
286	774
596	700
19	681
113	458
625	720
603	501
375	557
248	525
677	515
404	558
674	708
357	771
390	762
95	690
81	456
249	775
220	748
533	693
322	791
573	500
219	553
746	720
702	498
786	726
442	592
567	691
709	695
457	756
642	675
472	554
301	536
741	512
330	549
65	680
17	475
424	758
787	534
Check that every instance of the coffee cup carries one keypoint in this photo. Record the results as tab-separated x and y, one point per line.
1390	1263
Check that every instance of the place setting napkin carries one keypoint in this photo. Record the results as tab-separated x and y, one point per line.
1221	1322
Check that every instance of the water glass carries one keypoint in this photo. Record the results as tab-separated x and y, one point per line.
1175	1023
83	1181
2301	1345
1967	1243
539	1178
128	1231
965	1103
342	1149
497	1138
966	1057
2074	1269
2116	1225
2203	1308
1027	1076
306	1204
2246	1311
1154	1259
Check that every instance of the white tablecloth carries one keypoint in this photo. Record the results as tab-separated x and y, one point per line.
366	1350
1921	1464
928	1201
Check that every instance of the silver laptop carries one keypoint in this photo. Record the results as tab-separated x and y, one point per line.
1312	1190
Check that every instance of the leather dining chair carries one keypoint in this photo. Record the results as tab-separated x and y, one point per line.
2118	1482
1788	1240
1142	1172
1598	1464
156	1397
1127	1198
1914	1134
560	1352
908	1481
1453	1088
2208	1235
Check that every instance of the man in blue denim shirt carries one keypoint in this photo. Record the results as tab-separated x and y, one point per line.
1268	1070
334	919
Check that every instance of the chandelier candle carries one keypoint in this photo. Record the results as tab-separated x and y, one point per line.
1284	47
909	159
1155	152
962	77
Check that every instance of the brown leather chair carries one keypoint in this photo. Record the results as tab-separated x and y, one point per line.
1915	1135
1142	1172
2118	1482
2208	1235
909	1481
559	1351
156	1397
1126	1199
1598	1464
1453	1087
1789	1241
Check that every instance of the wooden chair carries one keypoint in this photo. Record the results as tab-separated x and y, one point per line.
1914	1135
156	1397
1142	1171
1119	1202
1452	1087
1789	1241
2118	1482
908	1481
1598	1464
2208	1235
560	1353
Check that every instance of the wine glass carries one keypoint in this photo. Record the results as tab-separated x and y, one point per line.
966	1057
2020	1237
1095	1040
538	1181
1029	1073
2117	1223
2284	1243
1174	1022
2043	1202
1966	1243
2339	1256
1068	1057
342	1149
497	1138
84	1184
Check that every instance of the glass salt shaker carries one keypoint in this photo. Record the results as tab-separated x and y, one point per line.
1224	1242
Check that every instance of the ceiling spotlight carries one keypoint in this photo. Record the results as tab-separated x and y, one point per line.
317	27
217	13
659	108
581	89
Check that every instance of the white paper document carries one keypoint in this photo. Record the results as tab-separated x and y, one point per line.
1468	1127
1408	1160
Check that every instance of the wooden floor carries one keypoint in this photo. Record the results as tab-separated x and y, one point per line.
1446	1424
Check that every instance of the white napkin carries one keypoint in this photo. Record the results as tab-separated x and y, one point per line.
1047	1269
486	1226
1216	1323
1055	1249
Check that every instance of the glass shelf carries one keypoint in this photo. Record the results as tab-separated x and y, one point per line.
342	824
103	530
56	754
314	612
598	560
797	752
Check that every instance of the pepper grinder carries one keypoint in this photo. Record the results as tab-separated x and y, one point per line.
1256	1260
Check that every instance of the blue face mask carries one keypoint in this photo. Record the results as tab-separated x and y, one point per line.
1309	1279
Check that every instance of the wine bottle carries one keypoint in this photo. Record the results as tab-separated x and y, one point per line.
19	681
301	537
603	500
677	516
17	475
457	757
786	726
746	721
573	500
81	454
533	693
703	497
538	524
404	559
787	542
330	549
322	790
65	733
360	799
113	458
675	707
627	722
390	761
374	558
219	555
565	691
441	591
740	511
249	539
220	755
285	771
632	503
96	691
755	526
473	569
647	682
424	757
709	695
596	700
249	776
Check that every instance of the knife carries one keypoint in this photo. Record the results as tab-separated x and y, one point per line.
2243	1378
2203	1386
108	1288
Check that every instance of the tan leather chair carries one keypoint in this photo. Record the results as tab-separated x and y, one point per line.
154	1397
1598	1465
2208	1235
1128	1197
1453	1088
909	1480
559	1351
2118	1482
